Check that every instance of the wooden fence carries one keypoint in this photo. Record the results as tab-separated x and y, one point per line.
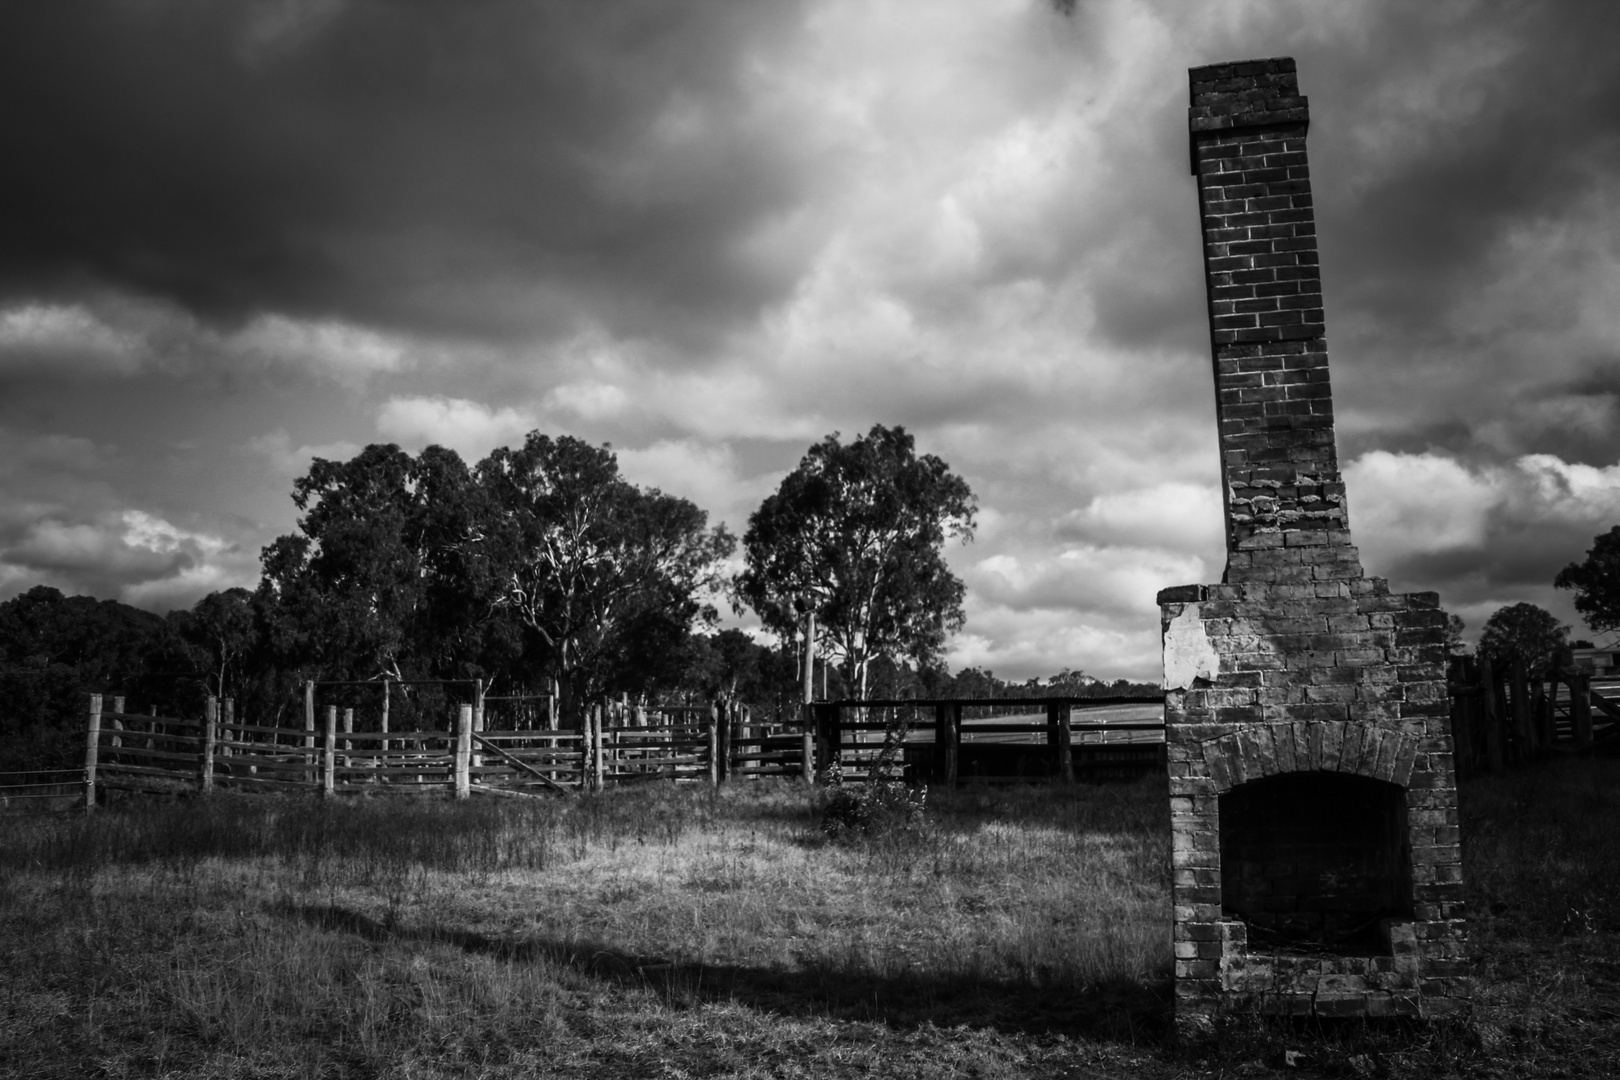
945	740
44	789
1501	716
620	743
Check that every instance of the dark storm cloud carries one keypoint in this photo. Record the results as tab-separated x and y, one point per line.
419	165
1510	142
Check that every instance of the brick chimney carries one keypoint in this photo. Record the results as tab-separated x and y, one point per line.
1273	403
1313	800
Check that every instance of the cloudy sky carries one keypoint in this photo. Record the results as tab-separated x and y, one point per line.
234	236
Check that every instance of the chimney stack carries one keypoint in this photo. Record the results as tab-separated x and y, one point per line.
1313	805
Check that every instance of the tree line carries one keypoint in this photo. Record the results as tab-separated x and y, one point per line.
540	570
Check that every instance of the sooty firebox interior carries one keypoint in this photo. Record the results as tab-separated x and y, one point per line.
1313	861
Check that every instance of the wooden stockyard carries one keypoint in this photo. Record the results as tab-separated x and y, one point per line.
485	747
621	743
1500	715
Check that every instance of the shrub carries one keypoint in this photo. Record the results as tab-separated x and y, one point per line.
880	805
883	804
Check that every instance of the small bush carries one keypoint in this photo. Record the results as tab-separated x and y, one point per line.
881	805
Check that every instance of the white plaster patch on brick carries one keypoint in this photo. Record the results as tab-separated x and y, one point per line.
1188	653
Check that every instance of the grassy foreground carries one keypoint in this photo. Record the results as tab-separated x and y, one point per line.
673	932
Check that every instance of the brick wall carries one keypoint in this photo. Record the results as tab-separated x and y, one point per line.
1297	665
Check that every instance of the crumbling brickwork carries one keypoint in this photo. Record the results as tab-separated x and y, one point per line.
1304	701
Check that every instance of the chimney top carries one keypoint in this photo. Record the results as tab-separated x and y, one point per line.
1246	93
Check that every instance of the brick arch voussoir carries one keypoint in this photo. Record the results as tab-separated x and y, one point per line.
1344	746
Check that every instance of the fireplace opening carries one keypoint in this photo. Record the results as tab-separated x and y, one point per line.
1314	861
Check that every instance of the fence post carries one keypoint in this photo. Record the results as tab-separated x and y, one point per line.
92	743
1066	742
1052	735
807	742
953	744
210	734
382	744
118	724
348	744
817	716
329	753
809	656
728	744
1580	708
599	750
1521	707
309	730
478	718
464	728
227	724
1457	700
835	734
1492	708
585	752
1541	713
714	744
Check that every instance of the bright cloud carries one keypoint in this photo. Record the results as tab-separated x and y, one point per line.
286	461
328	347
707	474
132	555
469	428
35	334
1405	504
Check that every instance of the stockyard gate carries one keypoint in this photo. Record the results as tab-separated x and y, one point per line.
511	746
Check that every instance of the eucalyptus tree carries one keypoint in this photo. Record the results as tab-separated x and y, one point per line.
1524	632
386	574
606	577
856	535
1595	581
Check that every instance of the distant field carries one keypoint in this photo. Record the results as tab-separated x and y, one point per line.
1111	714
923	732
662	931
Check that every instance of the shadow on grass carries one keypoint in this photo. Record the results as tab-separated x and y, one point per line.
1121	1011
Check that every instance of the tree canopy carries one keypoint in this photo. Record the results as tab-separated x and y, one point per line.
385	574
54	649
1525	632
1596	583
609	578
541	563
855	534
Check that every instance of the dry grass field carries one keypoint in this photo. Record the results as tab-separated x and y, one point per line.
672	932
